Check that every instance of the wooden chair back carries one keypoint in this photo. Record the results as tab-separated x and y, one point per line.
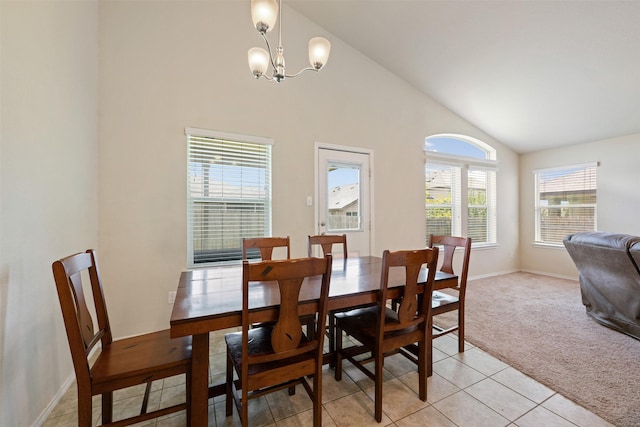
286	338
450	244
326	242
265	246
82	333
444	302
410	311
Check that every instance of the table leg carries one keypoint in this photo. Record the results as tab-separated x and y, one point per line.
200	380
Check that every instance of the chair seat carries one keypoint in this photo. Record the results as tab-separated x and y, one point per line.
141	358
260	343
441	299
361	323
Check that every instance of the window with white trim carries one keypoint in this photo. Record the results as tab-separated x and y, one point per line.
228	194
565	202
460	188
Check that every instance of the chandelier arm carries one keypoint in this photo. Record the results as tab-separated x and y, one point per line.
302	71
264	37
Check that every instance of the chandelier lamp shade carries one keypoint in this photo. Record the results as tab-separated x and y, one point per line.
264	14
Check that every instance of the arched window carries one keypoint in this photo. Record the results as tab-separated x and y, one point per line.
460	187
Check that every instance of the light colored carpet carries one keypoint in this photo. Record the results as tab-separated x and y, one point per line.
538	325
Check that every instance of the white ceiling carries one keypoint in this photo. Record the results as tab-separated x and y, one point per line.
532	74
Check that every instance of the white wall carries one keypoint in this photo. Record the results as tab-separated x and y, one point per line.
48	188
618	197
158	68
168	65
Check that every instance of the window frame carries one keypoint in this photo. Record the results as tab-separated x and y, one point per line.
460	196
250	141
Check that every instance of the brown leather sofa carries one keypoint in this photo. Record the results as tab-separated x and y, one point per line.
609	270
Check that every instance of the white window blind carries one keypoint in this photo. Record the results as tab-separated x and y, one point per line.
481	212
565	202
228	194
443	211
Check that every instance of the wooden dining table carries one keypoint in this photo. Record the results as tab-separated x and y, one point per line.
211	299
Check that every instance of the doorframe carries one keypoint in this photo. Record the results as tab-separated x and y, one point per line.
357	150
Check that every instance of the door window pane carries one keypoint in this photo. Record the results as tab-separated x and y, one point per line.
343	197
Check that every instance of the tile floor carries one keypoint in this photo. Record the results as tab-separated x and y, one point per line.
466	389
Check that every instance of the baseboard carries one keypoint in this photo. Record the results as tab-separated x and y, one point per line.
541	273
62	391
484	276
557	276
56	399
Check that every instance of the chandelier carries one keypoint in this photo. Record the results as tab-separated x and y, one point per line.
264	14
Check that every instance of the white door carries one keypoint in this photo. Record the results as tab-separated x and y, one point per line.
343	194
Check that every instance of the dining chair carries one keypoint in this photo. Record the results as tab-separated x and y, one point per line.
383	331
444	302
264	246
120	363
278	355
326	242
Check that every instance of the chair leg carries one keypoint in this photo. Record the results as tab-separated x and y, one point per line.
244	406
311	332
461	329
145	399
332	337
85	412
429	345
229	388
338	353
317	396
107	407
424	357
188	395
379	364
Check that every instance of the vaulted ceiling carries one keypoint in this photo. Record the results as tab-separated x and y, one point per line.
532	74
